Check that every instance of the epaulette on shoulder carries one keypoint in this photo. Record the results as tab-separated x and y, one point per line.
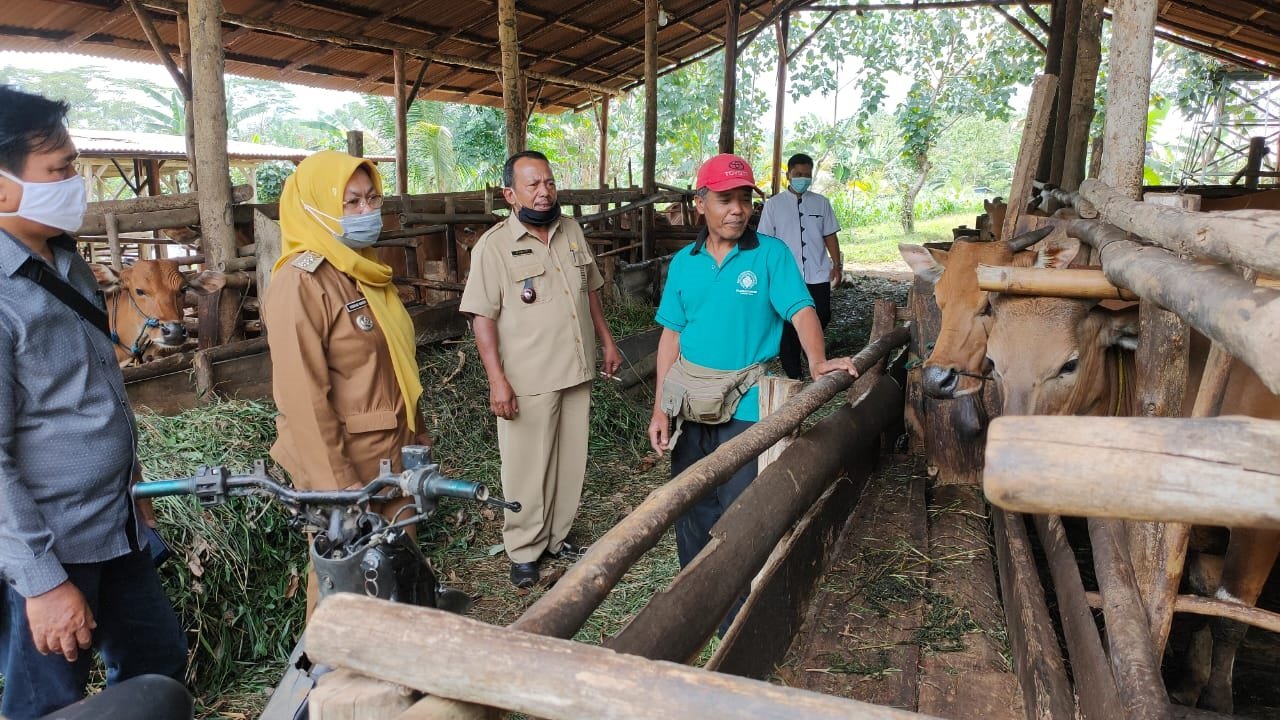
308	261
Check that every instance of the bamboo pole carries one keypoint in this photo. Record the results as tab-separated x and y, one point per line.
1128	95
699	597
1241	237
512	100
544	677
1087	283
563	609
729	98
780	100
402	129
1203	471
1244	318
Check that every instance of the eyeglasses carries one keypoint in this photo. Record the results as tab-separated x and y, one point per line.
373	202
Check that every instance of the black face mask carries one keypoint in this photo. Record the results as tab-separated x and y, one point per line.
539	218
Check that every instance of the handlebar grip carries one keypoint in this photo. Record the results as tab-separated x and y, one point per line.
164	488
441	486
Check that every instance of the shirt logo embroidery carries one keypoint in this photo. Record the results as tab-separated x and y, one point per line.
747	282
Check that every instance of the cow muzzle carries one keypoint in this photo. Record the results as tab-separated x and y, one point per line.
172	334
940	382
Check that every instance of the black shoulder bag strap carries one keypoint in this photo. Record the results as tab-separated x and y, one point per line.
38	273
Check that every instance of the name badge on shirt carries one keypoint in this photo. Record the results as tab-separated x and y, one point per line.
518	253
355	305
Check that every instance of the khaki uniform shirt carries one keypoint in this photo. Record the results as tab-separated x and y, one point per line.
548	344
341	409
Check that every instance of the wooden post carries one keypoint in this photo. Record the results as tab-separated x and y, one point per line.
1066	86
402	129
188	102
1257	150
1088	57
729	102
1128	95
544	677
267	242
217	228
1038	112
604	142
780	100
113	242
512	98
1052	63
650	124
774	392
355	143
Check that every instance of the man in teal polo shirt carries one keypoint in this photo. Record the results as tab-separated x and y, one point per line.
726	298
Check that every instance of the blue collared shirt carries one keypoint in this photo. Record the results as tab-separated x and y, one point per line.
67	433
729	315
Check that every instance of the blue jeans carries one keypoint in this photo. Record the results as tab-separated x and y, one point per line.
137	634
693	529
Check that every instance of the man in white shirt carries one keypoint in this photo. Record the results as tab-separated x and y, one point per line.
805	221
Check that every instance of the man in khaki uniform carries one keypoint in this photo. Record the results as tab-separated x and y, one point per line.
533	295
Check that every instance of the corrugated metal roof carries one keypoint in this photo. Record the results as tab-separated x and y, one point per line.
128	144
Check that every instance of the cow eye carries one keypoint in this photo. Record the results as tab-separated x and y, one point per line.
985	311
1069	367
140	292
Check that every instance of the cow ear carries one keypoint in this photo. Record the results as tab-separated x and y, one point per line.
1057	252
207	282
108	279
1122	329
926	263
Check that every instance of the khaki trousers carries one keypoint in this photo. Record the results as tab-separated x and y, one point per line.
544	459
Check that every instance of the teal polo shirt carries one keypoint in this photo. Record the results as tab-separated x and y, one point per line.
730	316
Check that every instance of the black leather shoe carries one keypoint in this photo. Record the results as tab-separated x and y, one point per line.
524	575
568	551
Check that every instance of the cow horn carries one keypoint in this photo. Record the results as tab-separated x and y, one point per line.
1027	239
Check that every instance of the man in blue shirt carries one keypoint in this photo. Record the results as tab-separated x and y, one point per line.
726	298
73	556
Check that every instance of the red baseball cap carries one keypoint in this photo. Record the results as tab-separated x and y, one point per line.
725	172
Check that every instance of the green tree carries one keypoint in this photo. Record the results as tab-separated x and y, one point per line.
957	63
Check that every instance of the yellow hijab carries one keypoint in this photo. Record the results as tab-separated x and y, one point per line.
321	182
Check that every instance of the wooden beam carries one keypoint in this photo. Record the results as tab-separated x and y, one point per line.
1035	16
1212	607
1066	86
401	119
1128	95
916	6
729	98
705	590
1052	66
1203	471
1021	28
1080	116
1043	91
799	48
563	609
541	676
603	124
153	37
780	99
1086	283
512	99
1133	663
1237	237
1046	693
1244	318
369	43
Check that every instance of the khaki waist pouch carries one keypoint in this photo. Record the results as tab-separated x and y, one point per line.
704	395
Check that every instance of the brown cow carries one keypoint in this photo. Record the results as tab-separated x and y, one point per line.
1058	356
144	306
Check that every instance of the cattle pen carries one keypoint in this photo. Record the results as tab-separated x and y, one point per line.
1092	638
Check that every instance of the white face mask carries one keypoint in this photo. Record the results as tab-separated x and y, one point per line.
59	204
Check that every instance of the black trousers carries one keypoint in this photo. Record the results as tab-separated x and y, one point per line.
790	352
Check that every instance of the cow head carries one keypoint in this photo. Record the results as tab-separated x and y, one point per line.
1049	355
995	216
144	305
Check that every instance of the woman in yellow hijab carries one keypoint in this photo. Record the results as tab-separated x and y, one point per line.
344	371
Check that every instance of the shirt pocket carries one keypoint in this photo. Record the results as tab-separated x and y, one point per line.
531	274
373	421
582	264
